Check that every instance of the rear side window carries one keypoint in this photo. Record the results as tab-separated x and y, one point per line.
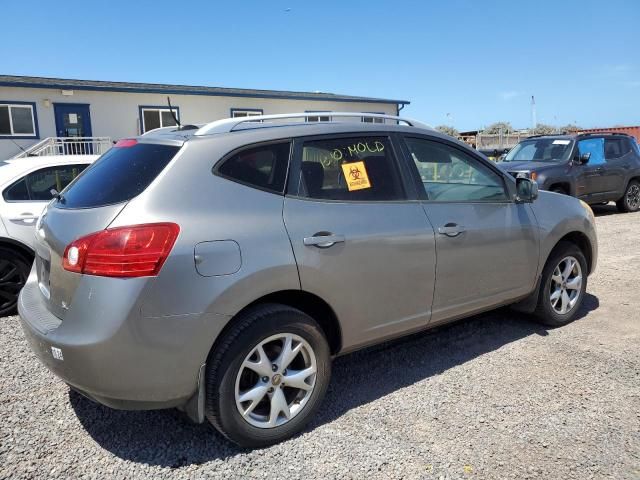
356	169
119	175
264	167
38	185
616	147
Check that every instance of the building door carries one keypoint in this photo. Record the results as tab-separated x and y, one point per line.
73	121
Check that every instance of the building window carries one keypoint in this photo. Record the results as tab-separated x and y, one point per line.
246	112
318	118
157	117
373	119
18	120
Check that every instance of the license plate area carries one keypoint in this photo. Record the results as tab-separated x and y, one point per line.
43	268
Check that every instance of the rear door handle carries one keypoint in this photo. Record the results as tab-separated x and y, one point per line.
451	230
322	240
25	217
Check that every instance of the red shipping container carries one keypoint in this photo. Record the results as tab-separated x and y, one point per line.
633	131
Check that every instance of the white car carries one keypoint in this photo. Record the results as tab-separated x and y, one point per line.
26	185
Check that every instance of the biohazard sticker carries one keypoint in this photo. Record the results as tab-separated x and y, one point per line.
356	176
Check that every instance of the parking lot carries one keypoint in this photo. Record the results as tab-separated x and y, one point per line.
495	396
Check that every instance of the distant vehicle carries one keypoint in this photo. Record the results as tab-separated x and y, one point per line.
495	154
219	270
596	168
26	185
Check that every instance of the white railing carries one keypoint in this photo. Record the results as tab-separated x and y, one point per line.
68	146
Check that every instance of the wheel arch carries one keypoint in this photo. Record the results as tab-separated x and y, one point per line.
17	247
582	241
562	184
307	302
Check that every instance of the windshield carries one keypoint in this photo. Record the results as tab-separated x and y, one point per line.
541	150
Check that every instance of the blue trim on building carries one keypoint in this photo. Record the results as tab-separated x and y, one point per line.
231	110
154	107
175	91
35	122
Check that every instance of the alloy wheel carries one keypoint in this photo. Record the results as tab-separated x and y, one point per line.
566	285
633	197
275	380
12	279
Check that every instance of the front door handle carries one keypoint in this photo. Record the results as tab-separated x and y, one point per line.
323	240
451	230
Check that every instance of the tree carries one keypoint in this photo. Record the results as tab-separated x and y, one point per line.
543	129
495	128
570	128
447	130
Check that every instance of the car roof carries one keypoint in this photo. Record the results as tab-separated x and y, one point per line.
14	167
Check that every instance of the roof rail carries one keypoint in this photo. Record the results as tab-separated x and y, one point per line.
230	124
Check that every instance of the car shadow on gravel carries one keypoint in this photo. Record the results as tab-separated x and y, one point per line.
166	438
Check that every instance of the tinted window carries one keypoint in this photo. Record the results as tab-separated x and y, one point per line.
616	147
38	185
119	175
264	166
358	168
451	175
16	192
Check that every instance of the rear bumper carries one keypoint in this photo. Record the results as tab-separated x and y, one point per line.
117	357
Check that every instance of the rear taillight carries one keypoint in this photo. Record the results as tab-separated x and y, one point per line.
135	251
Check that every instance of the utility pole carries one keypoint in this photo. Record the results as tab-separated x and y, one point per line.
534	122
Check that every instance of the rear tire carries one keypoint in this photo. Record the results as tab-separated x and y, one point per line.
562	286
630	201
14	270
559	190
254	406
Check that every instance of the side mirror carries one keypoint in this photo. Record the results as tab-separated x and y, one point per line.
584	158
527	190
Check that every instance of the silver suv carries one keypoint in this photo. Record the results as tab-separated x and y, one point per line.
219	270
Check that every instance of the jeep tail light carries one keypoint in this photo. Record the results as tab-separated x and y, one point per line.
134	251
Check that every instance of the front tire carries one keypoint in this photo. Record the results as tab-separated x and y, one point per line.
630	201
562	286
14	270
267	376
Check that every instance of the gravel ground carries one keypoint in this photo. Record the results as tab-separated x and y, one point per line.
495	396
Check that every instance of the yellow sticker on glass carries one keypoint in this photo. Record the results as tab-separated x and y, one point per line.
356	175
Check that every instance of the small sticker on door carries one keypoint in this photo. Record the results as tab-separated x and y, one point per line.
356	175
73	118
57	353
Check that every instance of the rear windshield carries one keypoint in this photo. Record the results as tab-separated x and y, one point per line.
119	175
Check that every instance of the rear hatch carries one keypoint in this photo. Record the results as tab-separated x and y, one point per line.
90	204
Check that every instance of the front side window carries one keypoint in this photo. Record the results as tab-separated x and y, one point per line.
264	166
37	186
17	120
616	147
355	168
451	175
155	117
594	147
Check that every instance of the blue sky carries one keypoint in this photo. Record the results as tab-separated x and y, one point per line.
464	63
